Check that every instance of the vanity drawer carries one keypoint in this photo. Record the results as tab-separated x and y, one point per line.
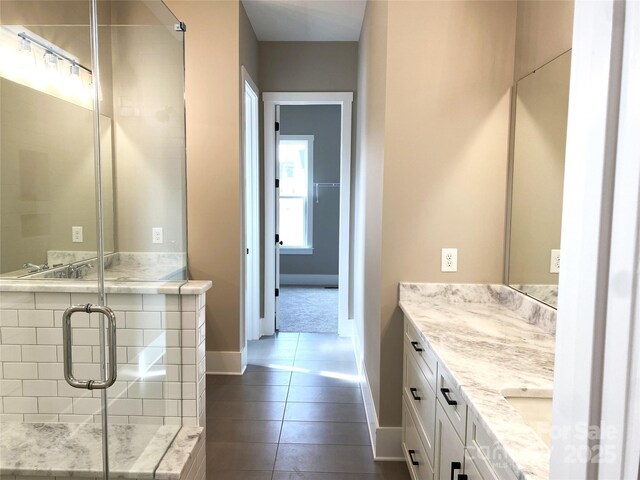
487	456
453	404
421	400
414	451
472	471
421	351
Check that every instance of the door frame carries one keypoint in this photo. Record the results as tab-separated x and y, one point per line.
345	100
596	374
250	239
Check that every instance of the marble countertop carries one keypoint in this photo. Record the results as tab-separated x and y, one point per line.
177	458
63	449
183	287
490	338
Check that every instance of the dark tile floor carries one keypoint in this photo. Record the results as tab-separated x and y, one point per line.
296	414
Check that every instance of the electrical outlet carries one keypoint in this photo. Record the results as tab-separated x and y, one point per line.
157	235
449	260
77	235
554	266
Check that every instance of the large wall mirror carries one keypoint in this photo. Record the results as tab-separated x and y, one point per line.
540	131
45	161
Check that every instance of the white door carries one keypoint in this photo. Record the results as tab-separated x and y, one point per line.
251	210
277	217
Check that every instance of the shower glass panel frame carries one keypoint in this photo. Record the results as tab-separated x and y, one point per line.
131	56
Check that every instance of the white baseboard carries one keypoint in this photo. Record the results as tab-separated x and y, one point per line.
386	442
226	363
266	329
303	279
347	329
389	444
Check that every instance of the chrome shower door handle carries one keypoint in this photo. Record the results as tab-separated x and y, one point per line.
67	344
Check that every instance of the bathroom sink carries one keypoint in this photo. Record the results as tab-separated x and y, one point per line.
534	406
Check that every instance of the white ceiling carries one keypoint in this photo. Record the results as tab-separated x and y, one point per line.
306	20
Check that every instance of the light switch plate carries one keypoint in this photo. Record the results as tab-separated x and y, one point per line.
554	265
449	260
157	235
77	235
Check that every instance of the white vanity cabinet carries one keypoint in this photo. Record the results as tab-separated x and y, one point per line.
441	438
433	423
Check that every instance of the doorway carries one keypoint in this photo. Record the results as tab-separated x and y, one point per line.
292	192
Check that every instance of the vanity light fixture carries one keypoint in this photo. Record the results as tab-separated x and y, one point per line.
52	52
35	62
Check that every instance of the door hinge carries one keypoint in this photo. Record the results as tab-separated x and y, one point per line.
277	292
180	27
247	251
277	237
277	126
277	183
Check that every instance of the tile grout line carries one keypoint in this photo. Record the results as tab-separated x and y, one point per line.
284	412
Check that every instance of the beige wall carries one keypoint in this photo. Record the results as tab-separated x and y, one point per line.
370	138
544	31
449	189
249	48
308	66
446	131
213	160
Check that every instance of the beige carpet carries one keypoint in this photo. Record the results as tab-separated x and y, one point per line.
308	309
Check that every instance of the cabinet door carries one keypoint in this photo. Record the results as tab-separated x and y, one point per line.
471	470
413	448
449	448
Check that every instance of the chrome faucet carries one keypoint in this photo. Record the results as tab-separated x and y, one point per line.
75	271
36	268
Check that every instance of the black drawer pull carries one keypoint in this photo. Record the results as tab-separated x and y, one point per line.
445	394
413	460
463	476
416	346
455	466
414	392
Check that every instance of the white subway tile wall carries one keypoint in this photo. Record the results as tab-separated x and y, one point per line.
161	359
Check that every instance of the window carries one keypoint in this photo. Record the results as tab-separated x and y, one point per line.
296	179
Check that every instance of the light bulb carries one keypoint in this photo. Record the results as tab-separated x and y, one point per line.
25	45
51	61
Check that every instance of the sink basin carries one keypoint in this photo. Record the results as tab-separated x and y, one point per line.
534	406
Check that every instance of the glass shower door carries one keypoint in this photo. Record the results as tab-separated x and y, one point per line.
52	233
145	82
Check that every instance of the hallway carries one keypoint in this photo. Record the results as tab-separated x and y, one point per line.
296	413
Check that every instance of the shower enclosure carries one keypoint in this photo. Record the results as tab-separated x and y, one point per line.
101	334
